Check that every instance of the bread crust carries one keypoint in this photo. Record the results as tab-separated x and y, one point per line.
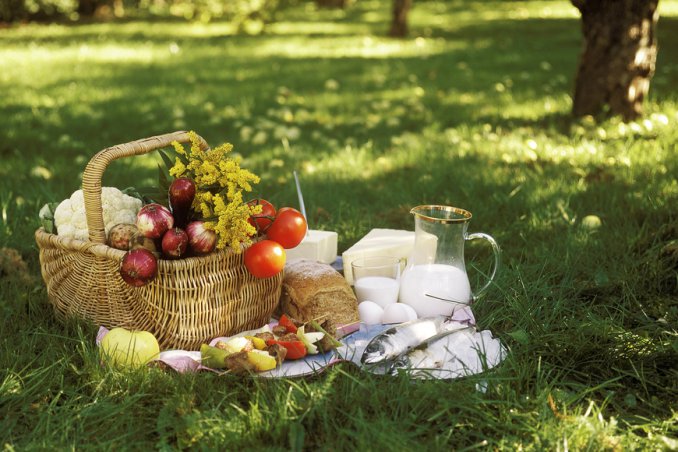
316	291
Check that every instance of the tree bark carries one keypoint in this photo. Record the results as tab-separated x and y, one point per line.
87	8
399	22
618	60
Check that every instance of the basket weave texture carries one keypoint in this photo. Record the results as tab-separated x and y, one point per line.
189	302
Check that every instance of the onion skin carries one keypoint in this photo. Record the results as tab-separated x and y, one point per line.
181	194
174	243
138	267
153	220
200	239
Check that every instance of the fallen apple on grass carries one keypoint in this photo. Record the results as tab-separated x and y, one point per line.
123	348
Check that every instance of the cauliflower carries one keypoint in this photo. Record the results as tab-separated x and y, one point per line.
71	221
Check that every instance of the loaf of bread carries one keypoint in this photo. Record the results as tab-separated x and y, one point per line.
316	291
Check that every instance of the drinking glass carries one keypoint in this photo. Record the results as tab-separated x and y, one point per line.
377	279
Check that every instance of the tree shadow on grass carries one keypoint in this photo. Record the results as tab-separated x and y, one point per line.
471	69
220	85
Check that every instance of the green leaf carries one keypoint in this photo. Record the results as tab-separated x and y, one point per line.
159	194
48	225
520	336
166	158
147	191
152	194
134	193
46	216
183	158
296	436
163	179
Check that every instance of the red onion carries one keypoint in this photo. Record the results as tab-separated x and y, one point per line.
181	193
153	220
138	267
174	243
201	239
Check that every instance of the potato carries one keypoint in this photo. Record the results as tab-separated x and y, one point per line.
139	241
120	235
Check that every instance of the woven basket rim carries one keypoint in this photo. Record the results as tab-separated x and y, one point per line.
71	244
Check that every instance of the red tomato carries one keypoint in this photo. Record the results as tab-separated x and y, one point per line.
288	228
265	258
263	220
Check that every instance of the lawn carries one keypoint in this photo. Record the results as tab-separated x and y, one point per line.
472	110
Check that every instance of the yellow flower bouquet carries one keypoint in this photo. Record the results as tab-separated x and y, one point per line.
220	183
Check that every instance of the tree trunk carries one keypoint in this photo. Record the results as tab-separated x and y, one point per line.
87	8
618	60
399	23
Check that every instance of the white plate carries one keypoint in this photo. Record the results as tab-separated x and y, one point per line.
463	353
189	361
309	365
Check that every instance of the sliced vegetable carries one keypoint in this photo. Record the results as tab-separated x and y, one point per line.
287	323
258	342
314	337
309	339
261	360
239	363
236	344
213	357
295	349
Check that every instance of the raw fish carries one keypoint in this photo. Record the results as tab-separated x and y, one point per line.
402	338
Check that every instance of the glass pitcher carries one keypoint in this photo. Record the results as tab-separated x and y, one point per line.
434	281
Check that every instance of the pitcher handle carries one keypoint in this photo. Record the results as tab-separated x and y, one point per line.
497	253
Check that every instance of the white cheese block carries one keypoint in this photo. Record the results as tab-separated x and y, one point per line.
378	242
320	246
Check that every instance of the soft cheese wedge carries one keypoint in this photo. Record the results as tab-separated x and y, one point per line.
378	242
319	246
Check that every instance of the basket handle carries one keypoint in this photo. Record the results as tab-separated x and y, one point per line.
91	178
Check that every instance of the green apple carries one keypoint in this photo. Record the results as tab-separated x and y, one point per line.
124	348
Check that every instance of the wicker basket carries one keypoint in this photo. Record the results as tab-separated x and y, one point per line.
190	301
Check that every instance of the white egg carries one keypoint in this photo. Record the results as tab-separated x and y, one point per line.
370	312
398	313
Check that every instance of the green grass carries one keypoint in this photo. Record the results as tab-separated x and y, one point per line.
472	111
